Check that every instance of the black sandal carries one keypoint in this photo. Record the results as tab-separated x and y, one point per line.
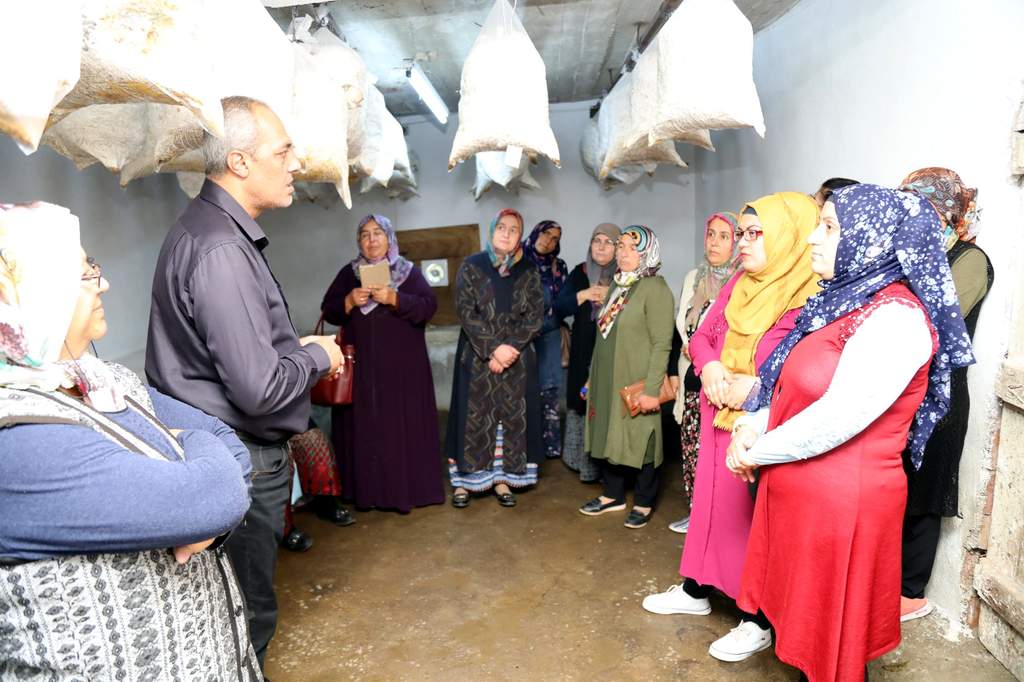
506	499
460	500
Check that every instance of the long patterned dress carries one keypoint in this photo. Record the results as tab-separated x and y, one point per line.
495	422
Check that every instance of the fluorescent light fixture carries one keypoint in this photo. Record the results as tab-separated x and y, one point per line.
428	95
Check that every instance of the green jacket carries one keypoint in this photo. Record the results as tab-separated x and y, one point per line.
636	348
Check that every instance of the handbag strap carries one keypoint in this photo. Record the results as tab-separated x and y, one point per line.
318	330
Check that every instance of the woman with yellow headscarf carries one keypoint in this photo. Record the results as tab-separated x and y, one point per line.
751	315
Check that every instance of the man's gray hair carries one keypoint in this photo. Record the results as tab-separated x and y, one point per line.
241	132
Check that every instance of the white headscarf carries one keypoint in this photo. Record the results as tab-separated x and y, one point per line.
40	281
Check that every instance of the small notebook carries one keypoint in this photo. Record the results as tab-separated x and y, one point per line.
376	275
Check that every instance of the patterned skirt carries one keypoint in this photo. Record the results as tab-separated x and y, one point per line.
479	481
573	454
689	435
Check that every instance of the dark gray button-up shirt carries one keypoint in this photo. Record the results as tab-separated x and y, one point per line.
220	337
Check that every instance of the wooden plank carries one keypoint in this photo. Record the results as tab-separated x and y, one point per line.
1005	643
1010	384
453	243
1001	593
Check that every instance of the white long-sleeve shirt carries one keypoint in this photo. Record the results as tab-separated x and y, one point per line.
877	362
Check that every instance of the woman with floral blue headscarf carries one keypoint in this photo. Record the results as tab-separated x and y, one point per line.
634	337
542	248
867	366
386	441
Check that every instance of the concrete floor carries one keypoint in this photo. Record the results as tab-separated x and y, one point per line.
536	592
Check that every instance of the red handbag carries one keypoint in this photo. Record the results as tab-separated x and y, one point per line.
335	389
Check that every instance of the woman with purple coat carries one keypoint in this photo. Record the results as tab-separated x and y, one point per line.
386	441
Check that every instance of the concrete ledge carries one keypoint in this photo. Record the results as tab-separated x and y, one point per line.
1010	383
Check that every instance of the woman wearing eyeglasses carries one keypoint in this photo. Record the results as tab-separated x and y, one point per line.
493	439
865	374
112	494
751	315
634	337
581	298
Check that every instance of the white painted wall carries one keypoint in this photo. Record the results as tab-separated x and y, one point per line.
310	243
874	89
122	229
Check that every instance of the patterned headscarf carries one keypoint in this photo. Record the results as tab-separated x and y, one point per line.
952	199
552	268
887	236
400	267
649	249
40	273
504	263
760	299
711	278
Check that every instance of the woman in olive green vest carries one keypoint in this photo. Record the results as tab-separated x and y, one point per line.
633	342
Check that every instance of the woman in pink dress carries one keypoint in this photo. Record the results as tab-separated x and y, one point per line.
752	313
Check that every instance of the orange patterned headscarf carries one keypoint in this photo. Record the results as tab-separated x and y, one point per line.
952	199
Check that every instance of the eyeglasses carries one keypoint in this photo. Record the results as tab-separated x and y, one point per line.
602	241
751	234
95	272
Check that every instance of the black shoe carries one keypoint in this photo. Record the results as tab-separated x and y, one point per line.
506	499
460	500
297	541
637	519
337	515
596	507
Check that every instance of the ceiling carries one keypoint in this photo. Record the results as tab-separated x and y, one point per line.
579	40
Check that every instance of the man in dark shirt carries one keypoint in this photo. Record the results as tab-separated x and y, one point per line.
220	337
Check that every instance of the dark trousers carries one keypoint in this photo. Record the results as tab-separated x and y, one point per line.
698	591
920	542
645	491
253	545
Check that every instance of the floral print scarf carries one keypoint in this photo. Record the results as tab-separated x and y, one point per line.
887	236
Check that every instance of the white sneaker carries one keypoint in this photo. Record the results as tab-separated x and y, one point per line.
680	526
675	600
742	642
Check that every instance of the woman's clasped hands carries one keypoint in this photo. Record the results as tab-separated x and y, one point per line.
503	357
724	388
737	457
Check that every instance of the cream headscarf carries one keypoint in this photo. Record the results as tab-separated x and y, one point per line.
40	281
759	300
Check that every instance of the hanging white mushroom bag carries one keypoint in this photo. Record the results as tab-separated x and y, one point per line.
41	65
504	93
697	93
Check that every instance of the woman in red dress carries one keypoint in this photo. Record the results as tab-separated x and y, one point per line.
868	363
